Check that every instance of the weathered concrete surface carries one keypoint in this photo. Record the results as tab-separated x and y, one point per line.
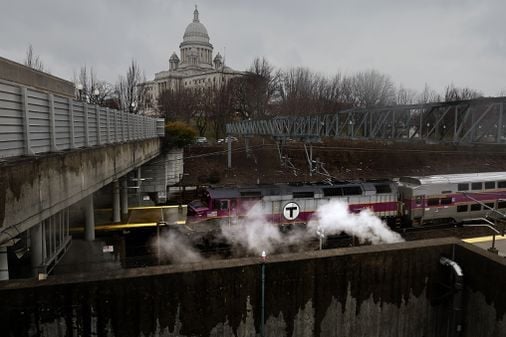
21	74
32	189
391	290
485	295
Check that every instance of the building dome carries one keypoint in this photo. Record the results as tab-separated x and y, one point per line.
196	31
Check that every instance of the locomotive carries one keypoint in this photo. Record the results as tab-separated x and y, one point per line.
406	201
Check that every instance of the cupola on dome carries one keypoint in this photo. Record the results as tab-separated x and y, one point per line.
196	31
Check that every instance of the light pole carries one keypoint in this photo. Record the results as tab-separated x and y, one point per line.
79	88
320	232
96	92
262	306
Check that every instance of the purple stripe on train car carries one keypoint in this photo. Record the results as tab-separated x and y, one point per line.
459	198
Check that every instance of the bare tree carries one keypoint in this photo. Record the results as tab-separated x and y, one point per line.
91	89
428	95
371	88
405	96
33	61
130	91
453	93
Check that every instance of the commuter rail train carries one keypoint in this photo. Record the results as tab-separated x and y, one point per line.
407	201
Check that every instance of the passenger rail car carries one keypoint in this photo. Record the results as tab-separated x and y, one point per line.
452	197
408	201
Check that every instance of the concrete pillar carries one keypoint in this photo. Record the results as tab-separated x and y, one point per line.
229	146
37	247
4	264
89	213
124	197
116	216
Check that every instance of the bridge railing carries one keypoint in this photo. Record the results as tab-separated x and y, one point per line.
33	122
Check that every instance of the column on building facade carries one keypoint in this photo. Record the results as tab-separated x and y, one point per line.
4	264
116	205
89	229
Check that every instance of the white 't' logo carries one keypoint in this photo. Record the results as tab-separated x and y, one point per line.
291	211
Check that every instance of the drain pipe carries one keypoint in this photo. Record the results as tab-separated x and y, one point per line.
458	286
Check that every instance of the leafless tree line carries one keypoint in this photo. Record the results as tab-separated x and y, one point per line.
265	92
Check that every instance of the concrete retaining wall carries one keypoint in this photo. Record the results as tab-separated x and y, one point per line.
393	290
32	189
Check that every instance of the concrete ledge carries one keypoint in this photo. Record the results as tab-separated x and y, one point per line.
34	188
21	74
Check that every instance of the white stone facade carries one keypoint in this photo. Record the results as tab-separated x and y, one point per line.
195	66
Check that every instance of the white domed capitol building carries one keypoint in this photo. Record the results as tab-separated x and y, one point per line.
195	67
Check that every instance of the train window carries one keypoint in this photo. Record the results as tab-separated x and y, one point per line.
303	194
433	202
352	190
476	186
501	184
489	185
501	204
332	191
490	204
446	192
475	207
383	188
463	187
418	200
223	204
446	201
462	208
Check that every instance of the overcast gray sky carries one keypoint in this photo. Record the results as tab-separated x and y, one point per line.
415	42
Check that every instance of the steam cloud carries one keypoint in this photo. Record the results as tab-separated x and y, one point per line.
175	248
256	234
335	218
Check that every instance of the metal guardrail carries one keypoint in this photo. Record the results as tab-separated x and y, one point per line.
465	122
33	122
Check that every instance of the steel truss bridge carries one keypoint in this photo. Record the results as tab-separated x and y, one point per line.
477	121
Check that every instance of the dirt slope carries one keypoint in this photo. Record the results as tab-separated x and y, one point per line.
342	159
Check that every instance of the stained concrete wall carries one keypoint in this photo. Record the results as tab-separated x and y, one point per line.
32	189
485	295
392	290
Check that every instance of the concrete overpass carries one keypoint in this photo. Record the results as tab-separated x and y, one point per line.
55	151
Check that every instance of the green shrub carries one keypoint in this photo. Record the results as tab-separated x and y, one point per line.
179	134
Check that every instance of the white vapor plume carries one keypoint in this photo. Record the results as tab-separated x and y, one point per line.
175	248
334	217
256	234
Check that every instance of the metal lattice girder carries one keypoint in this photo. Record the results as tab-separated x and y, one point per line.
472	121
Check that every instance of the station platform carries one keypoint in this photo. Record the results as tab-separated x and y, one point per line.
486	242
138	217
